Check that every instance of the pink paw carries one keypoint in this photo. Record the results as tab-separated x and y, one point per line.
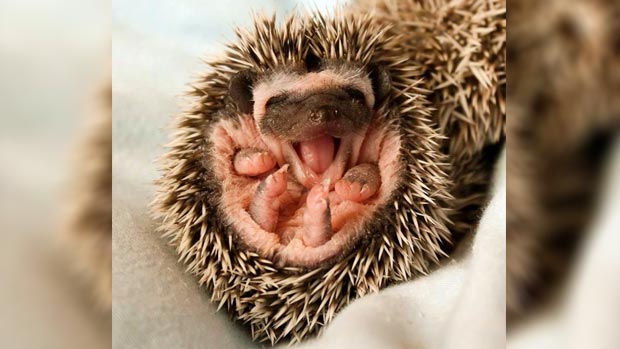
265	205
317	217
359	183
253	162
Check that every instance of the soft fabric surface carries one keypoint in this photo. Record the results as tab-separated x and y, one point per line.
459	305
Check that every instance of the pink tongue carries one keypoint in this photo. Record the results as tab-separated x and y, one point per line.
318	153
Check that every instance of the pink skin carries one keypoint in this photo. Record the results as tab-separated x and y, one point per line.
317	217
359	183
265	206
282	219
253	162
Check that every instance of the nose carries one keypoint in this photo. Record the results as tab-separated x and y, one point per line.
324	114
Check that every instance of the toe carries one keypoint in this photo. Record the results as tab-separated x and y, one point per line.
253	162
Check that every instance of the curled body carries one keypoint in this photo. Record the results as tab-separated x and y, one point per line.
314	168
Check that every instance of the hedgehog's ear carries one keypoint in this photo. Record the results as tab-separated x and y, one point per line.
381	82
312	62
240	90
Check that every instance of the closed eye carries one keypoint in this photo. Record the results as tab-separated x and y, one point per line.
275	100
355	93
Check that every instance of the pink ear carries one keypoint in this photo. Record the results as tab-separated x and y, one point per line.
240	90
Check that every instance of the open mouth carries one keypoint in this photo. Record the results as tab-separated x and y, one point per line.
317	154
314	198
321	159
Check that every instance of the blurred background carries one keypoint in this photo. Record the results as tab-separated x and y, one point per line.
563	174
54	60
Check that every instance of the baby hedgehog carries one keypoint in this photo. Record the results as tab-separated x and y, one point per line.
327	157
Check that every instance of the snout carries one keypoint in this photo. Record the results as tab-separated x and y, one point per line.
327	119
324	114
329	113
307	117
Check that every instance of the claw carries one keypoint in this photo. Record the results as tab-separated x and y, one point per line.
253	162
359	183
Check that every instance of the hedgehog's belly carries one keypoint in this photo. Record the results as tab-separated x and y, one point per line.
290	213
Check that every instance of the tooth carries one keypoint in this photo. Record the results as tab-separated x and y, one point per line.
306	177
338	167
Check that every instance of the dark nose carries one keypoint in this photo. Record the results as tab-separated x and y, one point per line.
323	114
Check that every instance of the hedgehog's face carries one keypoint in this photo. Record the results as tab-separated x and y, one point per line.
309	160
294	107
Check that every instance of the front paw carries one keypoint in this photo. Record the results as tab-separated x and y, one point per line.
253	162
359	183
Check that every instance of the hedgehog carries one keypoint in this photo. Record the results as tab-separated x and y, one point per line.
329	156
564	76
88	231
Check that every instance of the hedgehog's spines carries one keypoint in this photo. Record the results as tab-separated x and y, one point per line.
277	302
